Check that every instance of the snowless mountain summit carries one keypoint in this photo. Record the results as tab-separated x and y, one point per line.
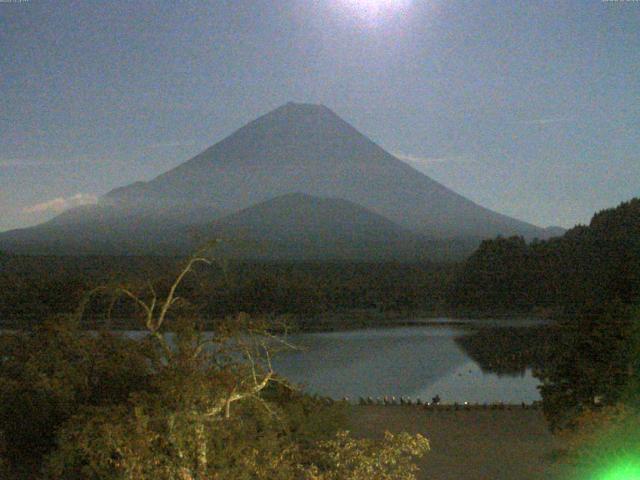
309	149
298	181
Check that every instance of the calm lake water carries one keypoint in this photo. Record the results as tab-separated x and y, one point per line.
418	362
476	362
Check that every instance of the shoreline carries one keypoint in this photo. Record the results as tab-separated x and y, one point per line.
359	319
346	321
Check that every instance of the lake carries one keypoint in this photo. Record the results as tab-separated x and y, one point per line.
449	360
476	361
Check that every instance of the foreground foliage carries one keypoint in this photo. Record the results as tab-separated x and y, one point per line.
592	363
346	458
47	375
175	404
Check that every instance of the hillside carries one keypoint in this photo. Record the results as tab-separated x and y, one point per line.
309	149
297	148
97	229
303	227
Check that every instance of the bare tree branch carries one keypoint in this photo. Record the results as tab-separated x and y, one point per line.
170	296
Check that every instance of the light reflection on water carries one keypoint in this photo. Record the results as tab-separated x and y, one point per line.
418	362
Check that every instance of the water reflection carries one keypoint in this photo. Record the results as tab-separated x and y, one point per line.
507	350
460	363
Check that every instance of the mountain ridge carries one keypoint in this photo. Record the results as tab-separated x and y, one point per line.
308	148
302	149
304	227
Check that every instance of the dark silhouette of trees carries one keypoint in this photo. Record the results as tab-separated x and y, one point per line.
591	365
36	287
580	272
590	279
495	277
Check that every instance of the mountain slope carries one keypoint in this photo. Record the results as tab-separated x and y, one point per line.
302	227
309	149
295	148
97	229
289	227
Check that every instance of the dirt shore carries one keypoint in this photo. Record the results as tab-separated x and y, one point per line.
468	445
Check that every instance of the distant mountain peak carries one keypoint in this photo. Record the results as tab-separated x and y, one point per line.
298	147
305	107
292	112
307	148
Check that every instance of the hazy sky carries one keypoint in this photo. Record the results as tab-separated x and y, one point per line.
531	108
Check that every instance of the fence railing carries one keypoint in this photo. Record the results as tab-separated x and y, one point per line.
437	405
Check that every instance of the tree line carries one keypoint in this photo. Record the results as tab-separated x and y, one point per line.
36	287
588	280
582	272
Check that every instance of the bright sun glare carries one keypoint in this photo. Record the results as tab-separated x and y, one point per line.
375	9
